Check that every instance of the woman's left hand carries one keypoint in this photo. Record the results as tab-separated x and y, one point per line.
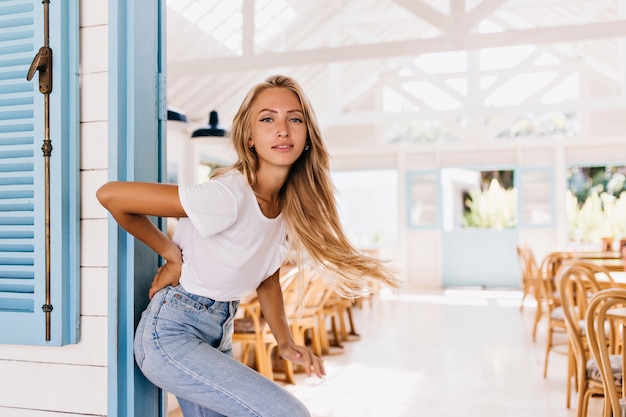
304	356
168	274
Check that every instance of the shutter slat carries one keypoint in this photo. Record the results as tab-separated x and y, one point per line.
14	22
16	166
16	152
17	282
17	9
16	139
19	178
26	290
17	258
14	192
17	304
16	221
20	291
10	273
16	245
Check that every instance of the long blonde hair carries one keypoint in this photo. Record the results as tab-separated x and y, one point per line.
308	201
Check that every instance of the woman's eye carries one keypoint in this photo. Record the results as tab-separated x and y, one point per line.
266	119
296	119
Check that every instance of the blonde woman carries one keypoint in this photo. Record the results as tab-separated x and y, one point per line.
233	235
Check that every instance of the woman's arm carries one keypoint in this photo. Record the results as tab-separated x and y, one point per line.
270	297
130	204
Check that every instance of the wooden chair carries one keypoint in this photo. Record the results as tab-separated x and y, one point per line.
551	299
303	298
316	298
532	284
577	284
339	310
369	293
252	331
530	274
601	307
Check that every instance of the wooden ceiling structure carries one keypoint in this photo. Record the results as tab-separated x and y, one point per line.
350	55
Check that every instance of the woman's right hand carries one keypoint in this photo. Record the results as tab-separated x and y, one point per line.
168	274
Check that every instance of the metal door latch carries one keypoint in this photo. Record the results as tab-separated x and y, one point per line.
42	63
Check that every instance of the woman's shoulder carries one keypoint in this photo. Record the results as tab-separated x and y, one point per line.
232	179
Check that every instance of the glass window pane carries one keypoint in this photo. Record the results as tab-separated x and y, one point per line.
368	206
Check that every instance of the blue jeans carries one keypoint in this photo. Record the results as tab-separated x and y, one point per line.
183	344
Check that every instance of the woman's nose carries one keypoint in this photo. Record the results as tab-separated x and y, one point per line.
281	129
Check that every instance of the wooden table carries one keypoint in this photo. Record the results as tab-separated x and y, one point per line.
618	276
596	254
613	265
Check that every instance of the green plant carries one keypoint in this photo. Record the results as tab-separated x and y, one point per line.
494	208
600	215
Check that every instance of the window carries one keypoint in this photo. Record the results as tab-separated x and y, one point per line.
367	203
22	186
596	201
478	199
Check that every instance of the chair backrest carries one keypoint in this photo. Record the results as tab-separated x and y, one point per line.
525	258
533	266
296	290
577	284
549	268
600	305
528	263
317	294
602	274
552	262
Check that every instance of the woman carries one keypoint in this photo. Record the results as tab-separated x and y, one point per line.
231	240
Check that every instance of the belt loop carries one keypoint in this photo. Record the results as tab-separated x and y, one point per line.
233	305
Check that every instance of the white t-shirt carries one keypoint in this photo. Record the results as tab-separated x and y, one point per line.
229	247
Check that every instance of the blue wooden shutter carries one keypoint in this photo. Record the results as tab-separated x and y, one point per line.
18	288
22	231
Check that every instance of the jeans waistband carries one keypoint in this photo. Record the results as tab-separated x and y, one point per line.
229	306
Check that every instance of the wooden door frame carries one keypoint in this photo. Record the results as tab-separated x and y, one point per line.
136	140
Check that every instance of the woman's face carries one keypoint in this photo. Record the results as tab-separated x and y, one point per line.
278	128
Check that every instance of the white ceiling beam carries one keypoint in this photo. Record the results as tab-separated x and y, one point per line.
248	29
398	89
610	74
522	67
368	117
364	87
567	64
456	25
342	19
529	4
535	99
570	33
426	13
437	80
481	11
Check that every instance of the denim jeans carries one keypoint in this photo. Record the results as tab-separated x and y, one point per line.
183	345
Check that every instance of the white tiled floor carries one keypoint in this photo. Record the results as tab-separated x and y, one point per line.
442	354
